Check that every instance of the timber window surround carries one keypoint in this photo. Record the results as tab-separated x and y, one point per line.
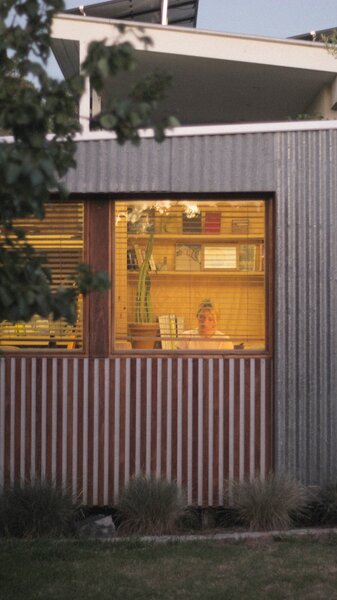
60	237
181	263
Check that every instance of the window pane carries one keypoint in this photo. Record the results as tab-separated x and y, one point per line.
60	237
195	269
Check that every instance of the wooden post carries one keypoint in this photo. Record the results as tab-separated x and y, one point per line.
99	245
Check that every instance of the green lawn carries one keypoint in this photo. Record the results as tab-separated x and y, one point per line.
207	570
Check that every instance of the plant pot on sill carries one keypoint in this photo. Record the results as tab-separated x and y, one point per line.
143	335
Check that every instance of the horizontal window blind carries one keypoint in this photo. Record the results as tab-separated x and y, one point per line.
178	263
60	236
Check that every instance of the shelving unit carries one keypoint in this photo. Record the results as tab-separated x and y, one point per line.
165	250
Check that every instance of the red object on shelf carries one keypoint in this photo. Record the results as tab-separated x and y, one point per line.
212	222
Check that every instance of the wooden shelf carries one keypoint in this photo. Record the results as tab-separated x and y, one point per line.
207	273
198	237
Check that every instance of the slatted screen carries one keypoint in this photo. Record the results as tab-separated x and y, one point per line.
60	237
207	258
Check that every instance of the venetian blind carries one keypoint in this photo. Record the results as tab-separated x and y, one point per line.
60	237
201	251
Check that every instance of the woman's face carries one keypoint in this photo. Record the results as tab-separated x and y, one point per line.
207	323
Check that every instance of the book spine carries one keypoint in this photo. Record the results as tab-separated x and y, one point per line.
180	326
164	328
212	222
139	255
152	263
173	330
262	256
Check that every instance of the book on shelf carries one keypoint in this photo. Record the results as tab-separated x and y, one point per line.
188	257
167	343
192	224
261	256
173	328
180	326
170	327
132	263
153	266
220	257
240	226
139	254
212	222
247	257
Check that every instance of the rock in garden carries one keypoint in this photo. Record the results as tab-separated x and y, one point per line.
97	526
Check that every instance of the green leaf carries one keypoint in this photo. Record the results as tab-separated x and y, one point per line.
108	121
33	105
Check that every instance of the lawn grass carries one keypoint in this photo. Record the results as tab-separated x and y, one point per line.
207	570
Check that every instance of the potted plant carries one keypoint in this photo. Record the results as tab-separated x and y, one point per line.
144	329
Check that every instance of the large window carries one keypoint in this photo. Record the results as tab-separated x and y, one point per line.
60	237
190	275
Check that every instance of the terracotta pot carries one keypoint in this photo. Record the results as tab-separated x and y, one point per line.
143	335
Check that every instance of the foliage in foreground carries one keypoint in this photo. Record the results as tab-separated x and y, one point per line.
36	509
269	504
150	506
33	163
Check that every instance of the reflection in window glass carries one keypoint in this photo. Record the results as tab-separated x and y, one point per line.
189	275
60	237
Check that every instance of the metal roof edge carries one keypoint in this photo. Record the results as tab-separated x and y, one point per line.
192	30
231	129
200	130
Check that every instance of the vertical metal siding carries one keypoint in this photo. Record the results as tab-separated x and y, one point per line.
232	163
306	305
106	167
84	424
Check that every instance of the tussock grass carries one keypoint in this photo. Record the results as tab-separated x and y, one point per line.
34	509
150	506
269	504
327	500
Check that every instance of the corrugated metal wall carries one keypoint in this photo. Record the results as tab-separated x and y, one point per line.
306	305
300	169
232	163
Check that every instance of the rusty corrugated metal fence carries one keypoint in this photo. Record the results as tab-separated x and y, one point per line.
90	425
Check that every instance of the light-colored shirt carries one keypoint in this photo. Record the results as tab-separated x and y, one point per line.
193	341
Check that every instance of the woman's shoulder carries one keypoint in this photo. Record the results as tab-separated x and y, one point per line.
222	334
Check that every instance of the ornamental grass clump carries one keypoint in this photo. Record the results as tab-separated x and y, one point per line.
150	506
270	504
327	504
34	509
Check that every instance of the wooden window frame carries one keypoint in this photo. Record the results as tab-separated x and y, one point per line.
268	279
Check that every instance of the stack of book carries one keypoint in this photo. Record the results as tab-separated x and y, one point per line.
171	328
212	222
135	258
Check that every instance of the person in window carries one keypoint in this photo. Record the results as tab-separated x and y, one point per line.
206	336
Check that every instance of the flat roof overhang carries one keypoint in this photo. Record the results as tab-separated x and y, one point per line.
217	77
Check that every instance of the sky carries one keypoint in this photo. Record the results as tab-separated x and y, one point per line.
275	18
